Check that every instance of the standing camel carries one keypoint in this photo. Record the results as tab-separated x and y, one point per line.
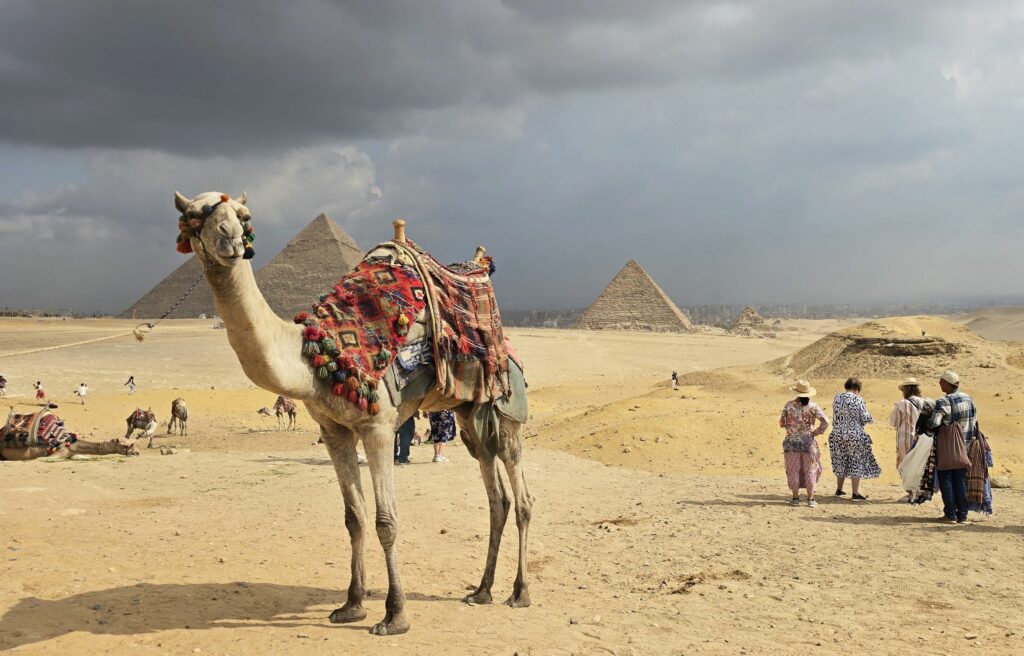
282	407
179	417
270	351
143	421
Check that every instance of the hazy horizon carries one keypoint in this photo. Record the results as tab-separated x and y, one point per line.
799	152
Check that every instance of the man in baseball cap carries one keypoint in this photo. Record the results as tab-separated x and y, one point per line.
957	407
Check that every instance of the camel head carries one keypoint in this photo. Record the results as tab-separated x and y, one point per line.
126	447
215	226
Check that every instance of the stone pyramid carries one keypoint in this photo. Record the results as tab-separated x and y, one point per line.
307	267
167	292
633	301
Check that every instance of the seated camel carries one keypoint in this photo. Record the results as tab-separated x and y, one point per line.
41	434
143	421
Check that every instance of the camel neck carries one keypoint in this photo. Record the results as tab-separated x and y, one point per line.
268	348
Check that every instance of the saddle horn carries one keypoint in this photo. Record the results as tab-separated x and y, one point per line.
399	230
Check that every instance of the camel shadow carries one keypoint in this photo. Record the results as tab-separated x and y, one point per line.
151	607
753	500
928	523
298	461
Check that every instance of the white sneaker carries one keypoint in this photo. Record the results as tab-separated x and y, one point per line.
440	459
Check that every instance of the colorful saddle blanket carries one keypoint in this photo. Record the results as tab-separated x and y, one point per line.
49	432
352	336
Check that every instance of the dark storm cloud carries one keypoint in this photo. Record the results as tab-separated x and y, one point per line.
194	76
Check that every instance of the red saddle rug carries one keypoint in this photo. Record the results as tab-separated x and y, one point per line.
49	432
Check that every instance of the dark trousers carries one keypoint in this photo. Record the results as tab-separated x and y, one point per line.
403	441
953	485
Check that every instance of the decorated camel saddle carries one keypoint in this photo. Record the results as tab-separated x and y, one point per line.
424	329
36	429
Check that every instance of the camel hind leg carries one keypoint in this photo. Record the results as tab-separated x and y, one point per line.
510	451
498	505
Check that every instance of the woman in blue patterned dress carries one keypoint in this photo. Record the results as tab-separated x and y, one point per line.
848	444
442	431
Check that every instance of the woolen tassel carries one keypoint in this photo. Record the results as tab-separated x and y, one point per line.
374	408
352	383
353	395
338	390
249	253
320	360
363	404
323	373
310	349
184	247
332	366
339	377
328	345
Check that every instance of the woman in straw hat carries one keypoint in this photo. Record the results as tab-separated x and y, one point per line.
904	417
803	457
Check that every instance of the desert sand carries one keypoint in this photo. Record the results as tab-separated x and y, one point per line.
660	523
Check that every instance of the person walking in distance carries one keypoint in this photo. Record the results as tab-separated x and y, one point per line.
131	384
82	391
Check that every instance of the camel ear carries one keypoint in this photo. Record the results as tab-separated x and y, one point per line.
241	198
180	202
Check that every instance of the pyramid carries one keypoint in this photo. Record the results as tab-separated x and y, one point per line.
633	301
167	292
749	318
307	267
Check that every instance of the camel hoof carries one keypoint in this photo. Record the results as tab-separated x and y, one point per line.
521	601
346	615
478	597
397	626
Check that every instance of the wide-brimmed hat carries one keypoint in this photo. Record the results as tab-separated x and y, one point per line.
803	388
908	382
951	377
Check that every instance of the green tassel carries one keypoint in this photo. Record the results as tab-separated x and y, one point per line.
332	366
323	372
310	348
328	345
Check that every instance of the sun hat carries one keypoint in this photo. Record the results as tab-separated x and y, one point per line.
951	377
907	382
803	388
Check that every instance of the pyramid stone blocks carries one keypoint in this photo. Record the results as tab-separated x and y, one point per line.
633	301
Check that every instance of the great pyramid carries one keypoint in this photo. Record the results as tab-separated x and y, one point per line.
160	299
633	301
307	267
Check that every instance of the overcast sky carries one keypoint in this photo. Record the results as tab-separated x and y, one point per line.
742	152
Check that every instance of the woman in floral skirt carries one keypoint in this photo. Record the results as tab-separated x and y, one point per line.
803	457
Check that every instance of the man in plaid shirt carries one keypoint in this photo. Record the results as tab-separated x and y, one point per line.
957	407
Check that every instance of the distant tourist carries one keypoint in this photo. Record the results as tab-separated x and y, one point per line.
442	431
904	417
848	443
131	384
956	418
3	386
675	380
40	392
803	457
82	391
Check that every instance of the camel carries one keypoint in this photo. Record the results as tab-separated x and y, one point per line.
269	350
283	406
143	421
51	439
119	446
179	417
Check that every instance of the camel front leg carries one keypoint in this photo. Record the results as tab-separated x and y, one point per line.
512	456
341	445
498	505
379	445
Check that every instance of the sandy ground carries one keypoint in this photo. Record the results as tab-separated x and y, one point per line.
660	525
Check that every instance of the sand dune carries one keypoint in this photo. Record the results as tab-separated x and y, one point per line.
1005	324
660	522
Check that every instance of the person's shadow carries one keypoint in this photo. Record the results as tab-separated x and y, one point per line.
149	607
